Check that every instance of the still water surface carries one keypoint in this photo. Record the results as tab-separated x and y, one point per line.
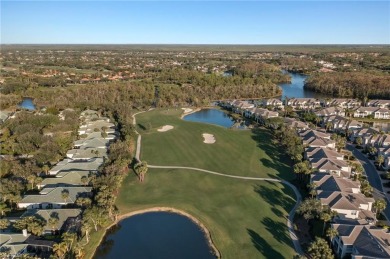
211	116
154	235
295	88
27	104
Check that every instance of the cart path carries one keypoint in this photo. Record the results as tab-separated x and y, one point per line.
290	218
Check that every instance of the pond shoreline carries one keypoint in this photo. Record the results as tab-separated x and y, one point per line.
205	231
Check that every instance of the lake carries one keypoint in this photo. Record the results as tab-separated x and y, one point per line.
211	116
27	104
156	235
295	88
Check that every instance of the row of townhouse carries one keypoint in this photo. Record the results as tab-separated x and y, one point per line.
375	112
374	138
249	110
69	180
379	103
378	109
337	123
341	103
316	138
260	114
357	237
72	174
304	103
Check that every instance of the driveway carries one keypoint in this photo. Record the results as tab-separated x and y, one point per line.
372	176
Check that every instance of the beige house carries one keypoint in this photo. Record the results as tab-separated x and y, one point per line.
361	242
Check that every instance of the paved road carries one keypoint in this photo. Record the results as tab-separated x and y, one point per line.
372	177
290	218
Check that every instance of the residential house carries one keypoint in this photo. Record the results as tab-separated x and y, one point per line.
384	140
320	152
304	103
331	166
314	138
385	152
241	106
67	165
14	243
330	111
86	154
341	102
260	115
68	219
335	123
375	112
64	179
296	124
52	198
272	102
363	132
379	103
361	242
4	115
354	207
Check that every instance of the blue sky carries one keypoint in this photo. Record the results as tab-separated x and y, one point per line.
199	22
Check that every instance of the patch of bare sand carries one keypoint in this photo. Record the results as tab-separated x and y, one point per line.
187	110
165	128
208	138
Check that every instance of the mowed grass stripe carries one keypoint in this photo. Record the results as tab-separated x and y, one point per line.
235	151
246	219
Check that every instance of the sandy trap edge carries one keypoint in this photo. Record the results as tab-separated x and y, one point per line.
208	138
165	128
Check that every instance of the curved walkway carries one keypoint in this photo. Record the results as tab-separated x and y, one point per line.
290	218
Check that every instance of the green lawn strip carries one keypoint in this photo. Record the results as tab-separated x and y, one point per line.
236	152
246	219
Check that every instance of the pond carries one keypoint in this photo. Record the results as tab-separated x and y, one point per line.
295	88
27	104
211	116
155	235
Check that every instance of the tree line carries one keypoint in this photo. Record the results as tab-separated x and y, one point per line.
350	84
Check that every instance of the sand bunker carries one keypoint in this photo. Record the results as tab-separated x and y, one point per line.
187	110
165	128
208	138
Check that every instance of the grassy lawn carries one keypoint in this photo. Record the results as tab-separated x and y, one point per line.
246	219
237	152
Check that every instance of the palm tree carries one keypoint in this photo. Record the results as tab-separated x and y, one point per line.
326	217
31	179
86	229
68	238
45	169
328	126
84	180
4	223
319	249
379	206
331	233
65	194
380	160
141	169
60	249
312	187
53	220
4	209
359	141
